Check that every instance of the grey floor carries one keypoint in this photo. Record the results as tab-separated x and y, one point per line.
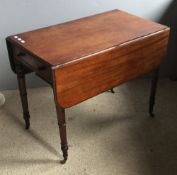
111	134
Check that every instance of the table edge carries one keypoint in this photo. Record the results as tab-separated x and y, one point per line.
110	48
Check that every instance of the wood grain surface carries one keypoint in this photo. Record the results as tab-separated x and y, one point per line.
83	79
93	54
63	43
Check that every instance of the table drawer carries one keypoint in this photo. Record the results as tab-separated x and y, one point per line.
40	68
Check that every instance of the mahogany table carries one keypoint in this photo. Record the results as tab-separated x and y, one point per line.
83	58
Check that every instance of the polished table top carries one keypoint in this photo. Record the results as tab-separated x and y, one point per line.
90	55
71	41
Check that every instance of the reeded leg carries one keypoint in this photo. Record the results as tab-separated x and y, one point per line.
62	131
23	95
153	92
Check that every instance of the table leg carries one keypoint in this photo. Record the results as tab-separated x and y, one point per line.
153	92
23	95
62	130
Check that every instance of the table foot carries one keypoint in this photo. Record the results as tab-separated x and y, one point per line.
153	92
64	149
152	114
27	120
151	107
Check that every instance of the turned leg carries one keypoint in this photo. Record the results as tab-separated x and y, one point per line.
23	95
153	92
62	131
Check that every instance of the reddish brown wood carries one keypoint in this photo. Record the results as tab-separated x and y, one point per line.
23	94
62	129
85	57
63	43
88	77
